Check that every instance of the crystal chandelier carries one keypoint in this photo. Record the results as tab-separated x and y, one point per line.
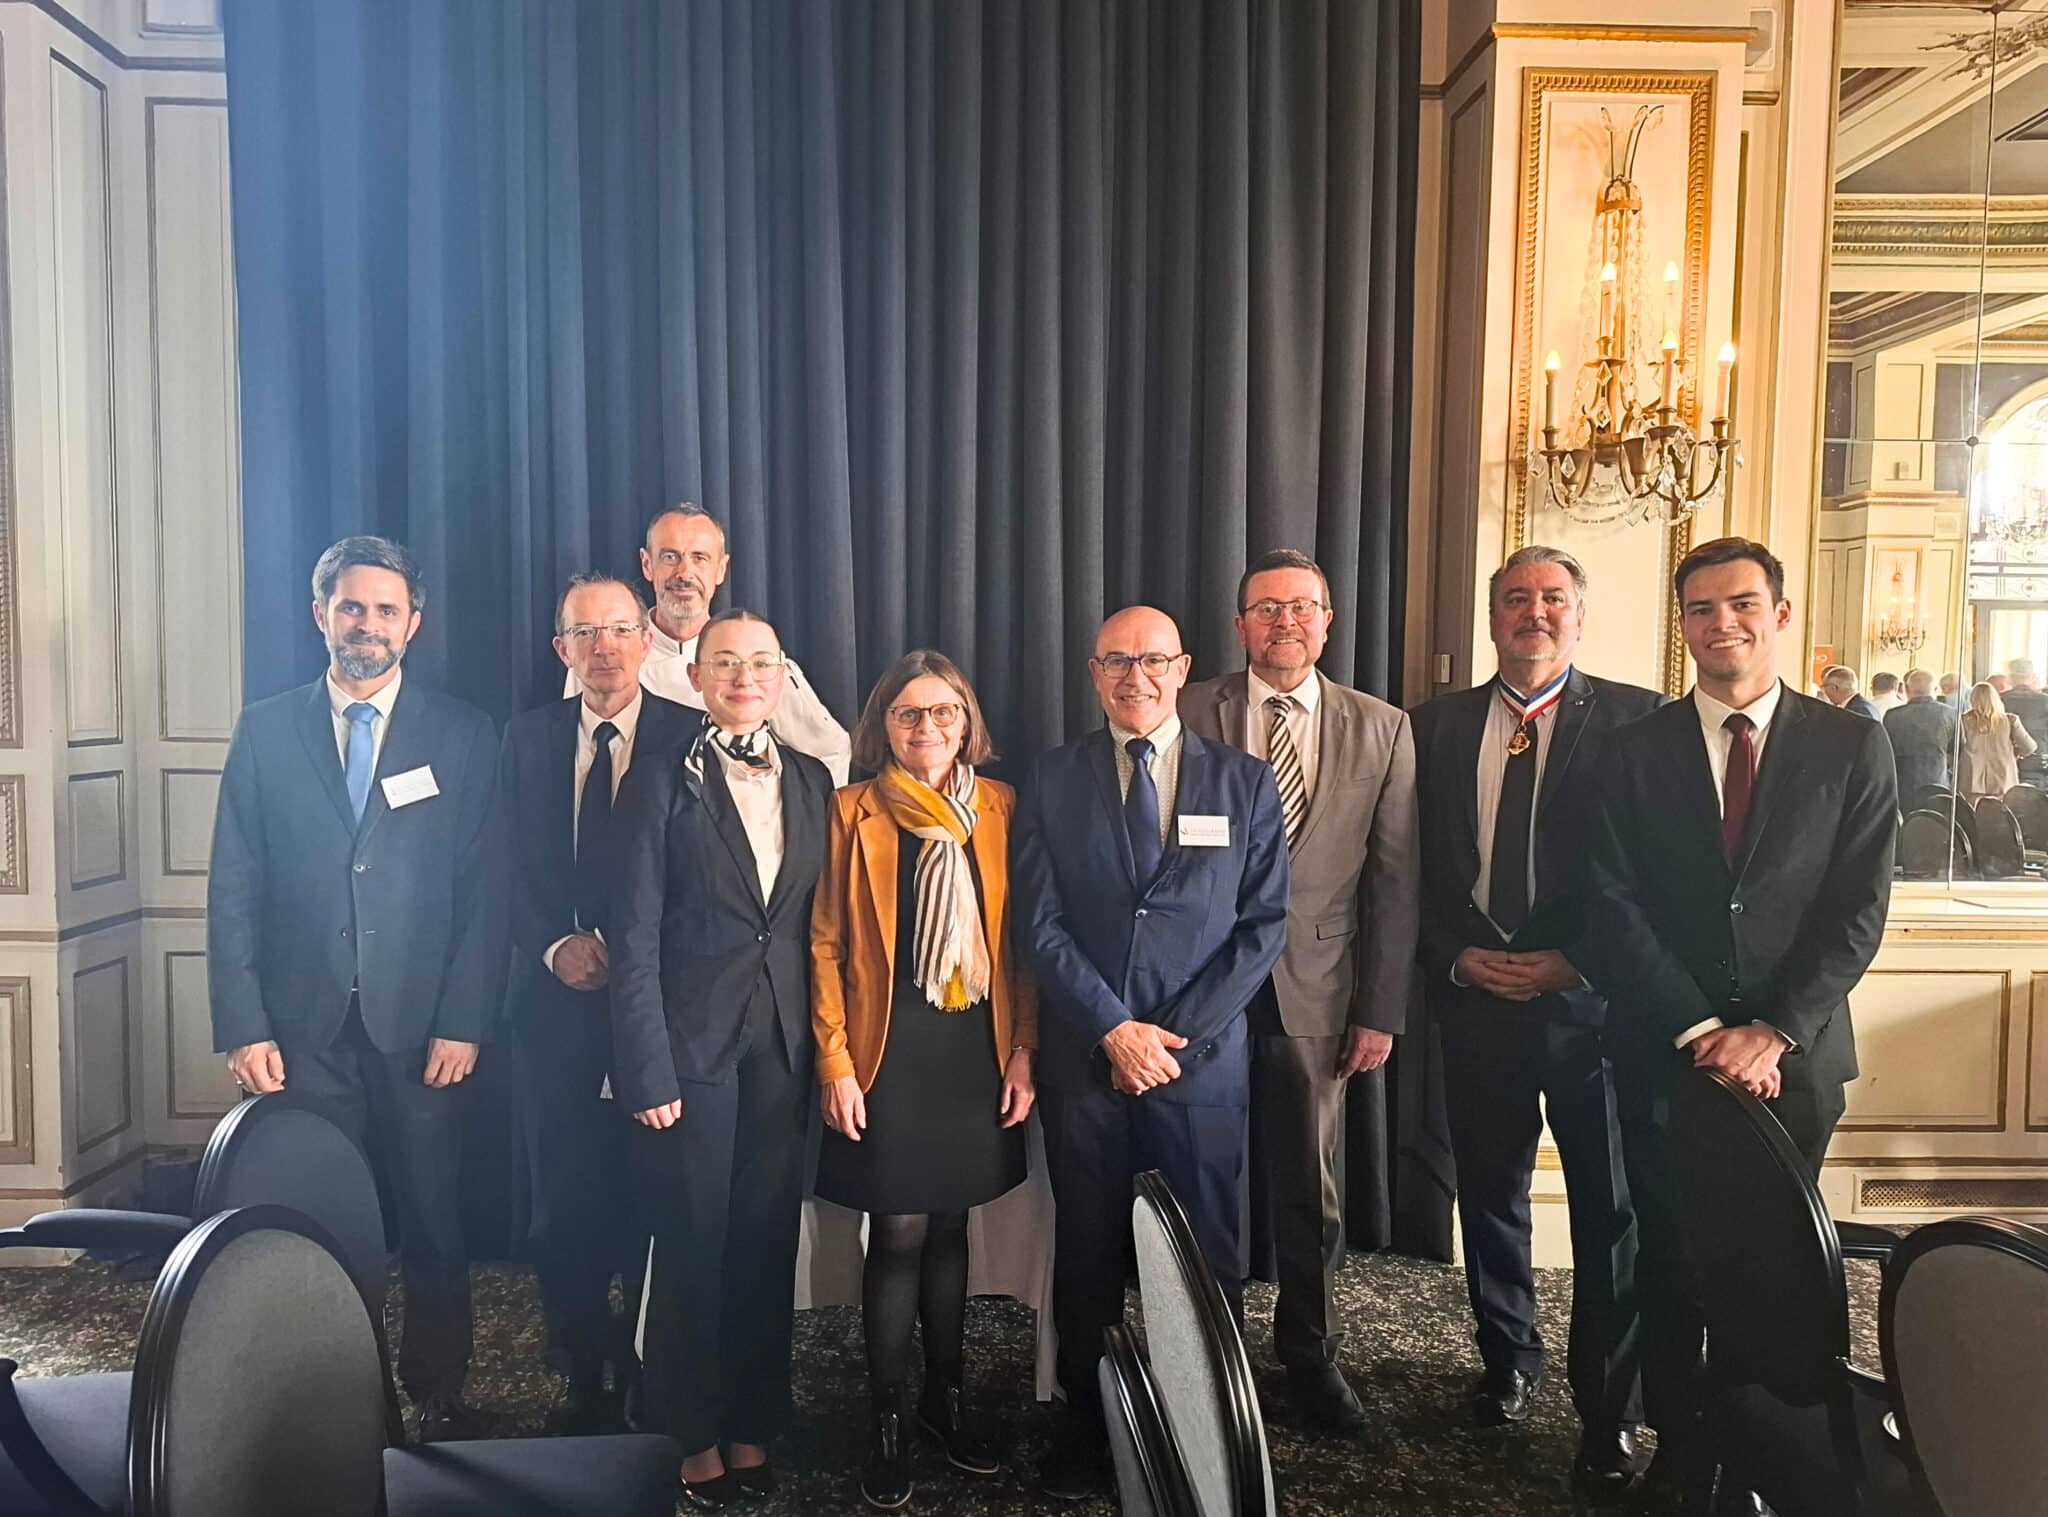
1895	632
1619	457
2023	527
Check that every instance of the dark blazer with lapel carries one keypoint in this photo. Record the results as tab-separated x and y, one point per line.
1448	732
302	902
1862	708
1677	936
1187	952
1923	743
1350	953
690	936
537	789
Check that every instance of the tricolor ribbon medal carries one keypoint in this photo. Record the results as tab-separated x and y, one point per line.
1526	708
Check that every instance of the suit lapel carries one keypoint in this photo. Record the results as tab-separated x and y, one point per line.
1336	732
991	855
558	783
316	731
1102	765
1572	714
879	845
407	745
801	819
725	821
1468	731
1784	746
1695	777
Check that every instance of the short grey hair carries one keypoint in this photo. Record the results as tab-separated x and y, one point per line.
584	582
684	508
2019	668
1537	553
371	553
1839	677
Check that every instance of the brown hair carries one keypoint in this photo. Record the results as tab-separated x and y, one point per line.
871	735
1281	558
1730	550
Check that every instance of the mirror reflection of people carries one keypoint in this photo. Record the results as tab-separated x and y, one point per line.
927	1026
1885	693
1923	734
717	857
1994	743
1838	688
2024	698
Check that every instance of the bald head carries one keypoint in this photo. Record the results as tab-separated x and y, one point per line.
1138	669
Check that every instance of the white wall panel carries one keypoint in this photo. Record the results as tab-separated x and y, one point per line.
102	1027
1932	1046
189	799
98	826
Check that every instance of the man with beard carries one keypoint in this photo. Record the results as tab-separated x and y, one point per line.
684	559
355	928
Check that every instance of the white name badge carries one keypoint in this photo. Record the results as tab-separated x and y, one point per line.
1204	831
413	785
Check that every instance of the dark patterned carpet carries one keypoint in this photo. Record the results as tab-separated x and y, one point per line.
1409	1355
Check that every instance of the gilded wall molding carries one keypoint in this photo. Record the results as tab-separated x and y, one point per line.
1696	89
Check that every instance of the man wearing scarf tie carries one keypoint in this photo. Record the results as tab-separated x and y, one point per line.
1505	774
1150	874
1741	869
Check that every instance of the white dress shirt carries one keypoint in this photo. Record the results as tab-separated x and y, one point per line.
801	720
625	725
1163	765
757	796
340	700
1714	733
1304	724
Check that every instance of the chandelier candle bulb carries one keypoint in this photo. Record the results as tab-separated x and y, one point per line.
1550	367
1727	376
1671	299
1607	300
1670	367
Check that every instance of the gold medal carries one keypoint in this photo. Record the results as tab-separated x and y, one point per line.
1519	743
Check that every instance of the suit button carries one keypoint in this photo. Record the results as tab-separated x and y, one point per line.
362	868
344	932
1141	912
1735	907
760	937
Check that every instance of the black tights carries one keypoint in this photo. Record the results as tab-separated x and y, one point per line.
916	1270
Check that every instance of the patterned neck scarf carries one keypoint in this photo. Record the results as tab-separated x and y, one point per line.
951	962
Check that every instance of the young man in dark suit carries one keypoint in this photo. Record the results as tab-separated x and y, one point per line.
1505	785
355	926
558	771
1741	867
1149	871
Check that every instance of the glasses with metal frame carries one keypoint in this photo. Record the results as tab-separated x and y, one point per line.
945	716
726	667
1269	610
1117	665
584	633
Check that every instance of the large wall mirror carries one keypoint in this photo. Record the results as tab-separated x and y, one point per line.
1931	552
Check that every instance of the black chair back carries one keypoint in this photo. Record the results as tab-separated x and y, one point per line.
290	1150
1995	834
1931	843
1928	798
259	1383
1198	1361
1963	1321
2029	806
1768	1262
1151	1477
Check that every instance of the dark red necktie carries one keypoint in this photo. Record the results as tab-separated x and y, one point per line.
1737	785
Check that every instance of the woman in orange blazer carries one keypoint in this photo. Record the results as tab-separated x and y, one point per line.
926	1022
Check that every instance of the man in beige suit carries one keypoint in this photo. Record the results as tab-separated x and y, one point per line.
1345	764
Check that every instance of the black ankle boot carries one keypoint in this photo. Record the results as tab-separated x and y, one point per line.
885	1482
942	1414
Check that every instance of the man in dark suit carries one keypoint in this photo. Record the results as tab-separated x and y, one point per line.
1838	688
1741	868
1150	877
355	926
558	771
1345	766
1506	779
2025	700
1923	734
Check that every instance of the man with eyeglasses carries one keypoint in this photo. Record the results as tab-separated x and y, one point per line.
1149	874
685	561
559	768
1345	766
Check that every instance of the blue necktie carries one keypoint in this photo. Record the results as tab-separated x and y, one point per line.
362	754
1141	812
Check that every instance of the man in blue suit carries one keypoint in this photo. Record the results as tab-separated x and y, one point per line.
355	926
1150	873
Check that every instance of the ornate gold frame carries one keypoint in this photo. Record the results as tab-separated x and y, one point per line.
1697	89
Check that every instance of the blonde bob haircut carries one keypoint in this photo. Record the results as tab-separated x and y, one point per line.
871	733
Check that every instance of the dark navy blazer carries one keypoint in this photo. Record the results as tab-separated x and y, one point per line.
1187	951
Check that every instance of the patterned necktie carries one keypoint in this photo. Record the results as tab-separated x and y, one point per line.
1286	765
362	754
1737	785
593	820
1141	813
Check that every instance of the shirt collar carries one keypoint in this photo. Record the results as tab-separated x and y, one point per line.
1161	737
1308	694
667	646
734	769
383	700
1714	714
627	721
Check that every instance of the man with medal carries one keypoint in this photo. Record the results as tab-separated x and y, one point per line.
1506	780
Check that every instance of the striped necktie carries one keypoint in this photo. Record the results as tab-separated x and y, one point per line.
1286	765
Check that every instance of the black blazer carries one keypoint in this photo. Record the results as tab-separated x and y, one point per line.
690	936
1675	936
1448	731
1923	742
302	902
537	790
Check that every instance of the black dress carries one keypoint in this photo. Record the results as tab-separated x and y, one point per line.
934	1140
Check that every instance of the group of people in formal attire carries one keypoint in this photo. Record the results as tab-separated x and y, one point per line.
1973	743
739	979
